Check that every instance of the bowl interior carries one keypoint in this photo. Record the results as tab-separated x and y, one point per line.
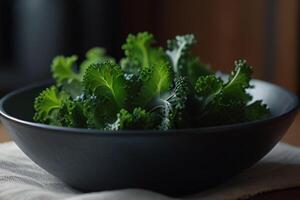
19	104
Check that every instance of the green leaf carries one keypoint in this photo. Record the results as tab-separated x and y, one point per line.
257	110
47	105
99	112
130	66
179	94
73	88
65	76
178	50
226	103
106	80
155	81
172	105
71	114
195	68
134	88
139	119
238	82
208	87
94	55
62	69
104	84
140	52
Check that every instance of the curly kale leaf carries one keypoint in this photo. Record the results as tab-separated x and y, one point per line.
140	52
257	110
66	77
179	94
183	63
139	119
104	84
63	69
224	103
58	108
238	82
99	111
71	114
47	106
92	56
214	108
234	89
207	88
172	105
195	68
106	81
65	74
178	49
155	81
134	88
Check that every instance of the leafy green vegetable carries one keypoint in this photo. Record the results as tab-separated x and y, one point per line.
106	80
239	81
257	110
57	108
63	69
149	89
225	103
70	114
183	62
105	84
99	112
155	82
178	49
195	68
47	106
208	88
65	73
172	104
138	119
140	52
94	55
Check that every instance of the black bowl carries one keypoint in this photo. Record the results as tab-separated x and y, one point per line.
173	162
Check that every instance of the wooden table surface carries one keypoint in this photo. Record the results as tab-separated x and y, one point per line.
291	137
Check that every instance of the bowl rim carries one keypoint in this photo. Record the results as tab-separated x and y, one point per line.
220	128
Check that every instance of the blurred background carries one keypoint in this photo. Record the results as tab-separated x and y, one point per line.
264	32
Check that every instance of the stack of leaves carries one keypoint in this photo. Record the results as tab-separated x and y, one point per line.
149	89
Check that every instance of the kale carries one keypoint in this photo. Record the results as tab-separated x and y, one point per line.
149	89
228	102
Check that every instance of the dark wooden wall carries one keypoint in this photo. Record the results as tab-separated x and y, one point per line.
265	32
287	55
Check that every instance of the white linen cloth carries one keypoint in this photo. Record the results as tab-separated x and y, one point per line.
21	179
